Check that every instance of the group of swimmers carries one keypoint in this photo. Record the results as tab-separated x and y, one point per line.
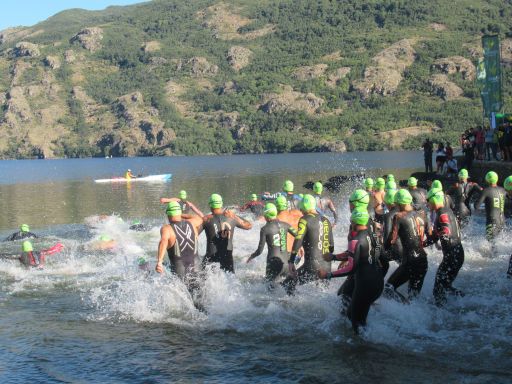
387	224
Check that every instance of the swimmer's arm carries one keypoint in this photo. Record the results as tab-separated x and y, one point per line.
394	234
166	236
480	201
242	223
195	209
165	200
196	221
299	238
261	245
292	231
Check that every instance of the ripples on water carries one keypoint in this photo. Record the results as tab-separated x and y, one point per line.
95	317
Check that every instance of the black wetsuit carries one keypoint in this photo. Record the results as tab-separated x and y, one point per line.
494	199
274	234
367	280
461	193
185	207
32	259
315	235
219	231
446	230
293	201
322	205
419	199
183	254
20	235
409	227
256	208
395	252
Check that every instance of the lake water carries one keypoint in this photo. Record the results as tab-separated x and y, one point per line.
94	317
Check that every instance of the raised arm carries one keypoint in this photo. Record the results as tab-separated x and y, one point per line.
261	245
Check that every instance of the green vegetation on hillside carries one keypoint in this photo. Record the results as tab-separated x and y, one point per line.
193	100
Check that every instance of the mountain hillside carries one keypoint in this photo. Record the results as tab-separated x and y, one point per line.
199	77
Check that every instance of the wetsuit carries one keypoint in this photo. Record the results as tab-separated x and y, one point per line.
32	259
379	206
185	207
322	205
446	230
256	208
183	254
494	199
419	199
395	252
20	235
461	193
139	227
219	231
274	234
315	235
409	227
293	200
367	280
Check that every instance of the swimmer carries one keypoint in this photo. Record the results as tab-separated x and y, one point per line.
219	228
23	233
255	206
494	199
419	195
274	234
368	279
446	231
461	192
187	207
324	203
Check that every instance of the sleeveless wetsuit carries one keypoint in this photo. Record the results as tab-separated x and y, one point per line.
21	236
461	194
219	231
183	254
185	207
409	227
315	235
494	199
367	279
446	230
274	234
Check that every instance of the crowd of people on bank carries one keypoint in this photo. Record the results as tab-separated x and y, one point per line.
388	224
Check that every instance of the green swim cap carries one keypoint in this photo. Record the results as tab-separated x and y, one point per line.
463	173
288	186
389	197
135	222
491	177
368	182
173	209
281	203
183	195
435	196
27	246
390	177
436	184
390	185
141	260
412	182
254	197
507	184
270	211
360	216
215	201
380	183
403	197
105	238
359	198
24	228
308	203
318	187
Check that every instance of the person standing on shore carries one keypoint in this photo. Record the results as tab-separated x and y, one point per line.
428	148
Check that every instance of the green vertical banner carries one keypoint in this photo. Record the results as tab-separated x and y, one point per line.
491	92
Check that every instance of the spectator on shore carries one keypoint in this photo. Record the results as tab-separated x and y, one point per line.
448	150
440	157
489	134
428	148
469	153
450	168
480	143
508	140
501	142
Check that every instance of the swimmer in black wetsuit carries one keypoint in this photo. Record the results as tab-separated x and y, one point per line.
219	228
419	195
494	199
315	235
446	230
137	226
187	207
461	193
274	234
410	227
34	259
368	279
396	251
255	206
324	203
23	233
179	240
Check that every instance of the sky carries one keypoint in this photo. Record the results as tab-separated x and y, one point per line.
29	12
